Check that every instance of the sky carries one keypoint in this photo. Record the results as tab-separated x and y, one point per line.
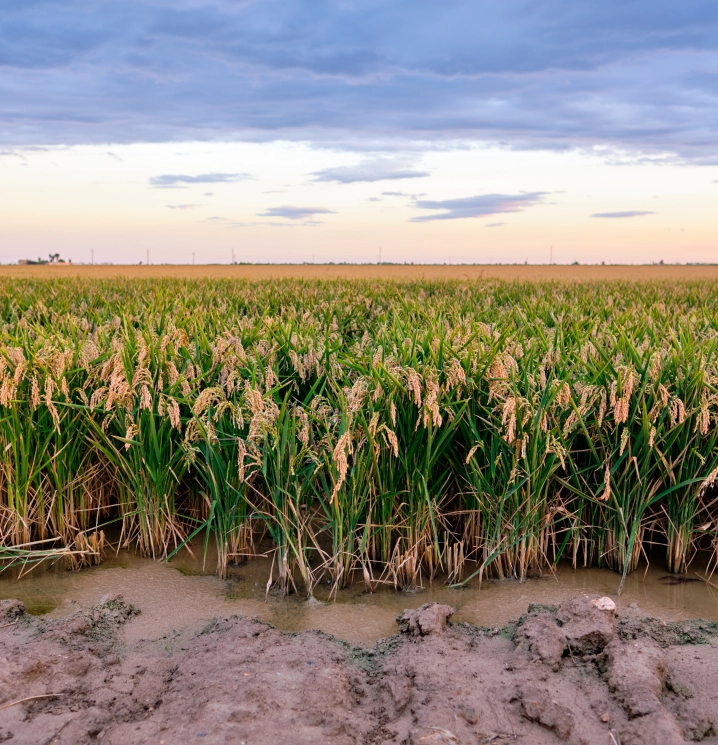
466	131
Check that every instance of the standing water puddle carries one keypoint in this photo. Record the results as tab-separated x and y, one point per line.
182	594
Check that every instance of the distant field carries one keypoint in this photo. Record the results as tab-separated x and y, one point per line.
571	273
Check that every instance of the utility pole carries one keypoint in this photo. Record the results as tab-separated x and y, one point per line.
92	256
192	258
148	257
380	254
233	256
550	260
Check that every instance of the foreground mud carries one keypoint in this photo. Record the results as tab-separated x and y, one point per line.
573	674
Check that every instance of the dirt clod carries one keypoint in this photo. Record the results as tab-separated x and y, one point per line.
696	722
636	674
588	622
11	610
539	637
658	728
430	618
538	706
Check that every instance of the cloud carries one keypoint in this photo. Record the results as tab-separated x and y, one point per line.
169	181
479	206
116	157
295	213
494	224
636	76
259	224
369	171
182	207
620	215
13	154
403	194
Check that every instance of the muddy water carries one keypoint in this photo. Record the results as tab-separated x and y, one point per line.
184	595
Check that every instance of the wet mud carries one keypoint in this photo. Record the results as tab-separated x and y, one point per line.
185	593
582	672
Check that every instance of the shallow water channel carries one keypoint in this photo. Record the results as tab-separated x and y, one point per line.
184	594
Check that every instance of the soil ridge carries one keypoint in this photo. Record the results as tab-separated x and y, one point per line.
580	673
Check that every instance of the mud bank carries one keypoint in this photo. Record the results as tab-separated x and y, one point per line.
581	673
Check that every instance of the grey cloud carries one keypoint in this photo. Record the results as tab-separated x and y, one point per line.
482	205
619	215
494	224
636	76
369	171
295	213
182	207
169	181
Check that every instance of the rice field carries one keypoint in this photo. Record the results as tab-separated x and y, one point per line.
360	430
398	272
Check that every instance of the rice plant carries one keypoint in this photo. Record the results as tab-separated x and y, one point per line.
360	430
